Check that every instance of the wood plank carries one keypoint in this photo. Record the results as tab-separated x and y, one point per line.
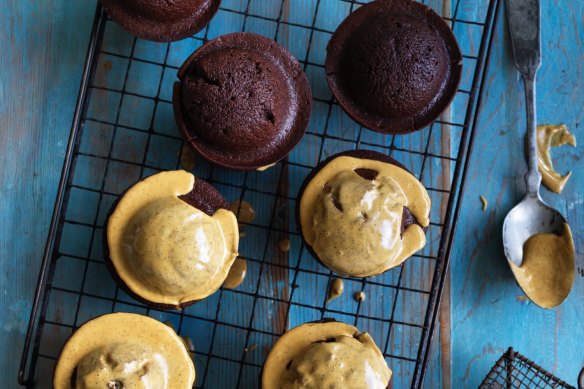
489	313
38	87
43	47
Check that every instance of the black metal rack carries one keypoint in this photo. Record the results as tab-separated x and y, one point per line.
120	132
514	371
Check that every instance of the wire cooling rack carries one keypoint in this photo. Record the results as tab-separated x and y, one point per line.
123	129
514	371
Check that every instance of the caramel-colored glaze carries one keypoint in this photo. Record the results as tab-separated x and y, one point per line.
336	289
325	355
126	365
165	250
547	272
244	211
190	346
548	136
264	168
187	158
284	245
363	239
236	274
359	296
133	350
484	202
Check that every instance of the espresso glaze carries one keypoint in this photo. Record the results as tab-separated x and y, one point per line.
128	365
335	289
236	274
133	350
264	168
549	136
325	355
484	202
244	211
359	296
165	250
284	245
547	272
187	158
354	224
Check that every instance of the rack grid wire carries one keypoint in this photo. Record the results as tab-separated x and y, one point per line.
123	129
514	371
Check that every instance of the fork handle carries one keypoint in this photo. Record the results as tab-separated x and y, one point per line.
532	177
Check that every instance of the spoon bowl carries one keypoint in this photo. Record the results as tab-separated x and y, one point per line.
530	217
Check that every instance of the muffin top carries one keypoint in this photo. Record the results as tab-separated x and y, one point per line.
361	213
161	21
242	102
127	350
325	355
393	65
167	250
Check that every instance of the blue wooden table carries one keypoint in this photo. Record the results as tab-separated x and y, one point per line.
483	311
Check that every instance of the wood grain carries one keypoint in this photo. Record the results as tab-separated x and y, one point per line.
489	312
42	55
42	50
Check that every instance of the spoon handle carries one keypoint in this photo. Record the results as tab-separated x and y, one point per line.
523	17
532	177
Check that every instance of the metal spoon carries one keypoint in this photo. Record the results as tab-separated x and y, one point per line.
532	215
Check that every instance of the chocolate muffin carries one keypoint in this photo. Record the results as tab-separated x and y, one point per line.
171	240
362	213
124	350
393	65
325	354
242	102
161	21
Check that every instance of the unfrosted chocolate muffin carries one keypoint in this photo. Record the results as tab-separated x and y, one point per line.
161	20
242	101
393	65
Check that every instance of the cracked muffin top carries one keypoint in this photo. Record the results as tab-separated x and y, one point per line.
124	350
393	65
242	102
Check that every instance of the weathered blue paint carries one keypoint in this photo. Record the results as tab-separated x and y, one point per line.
489	312
42	54
42	46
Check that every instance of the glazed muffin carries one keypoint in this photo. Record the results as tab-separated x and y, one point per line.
393	65
362	213
124	350
161	21
171	239
242	101
326	354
